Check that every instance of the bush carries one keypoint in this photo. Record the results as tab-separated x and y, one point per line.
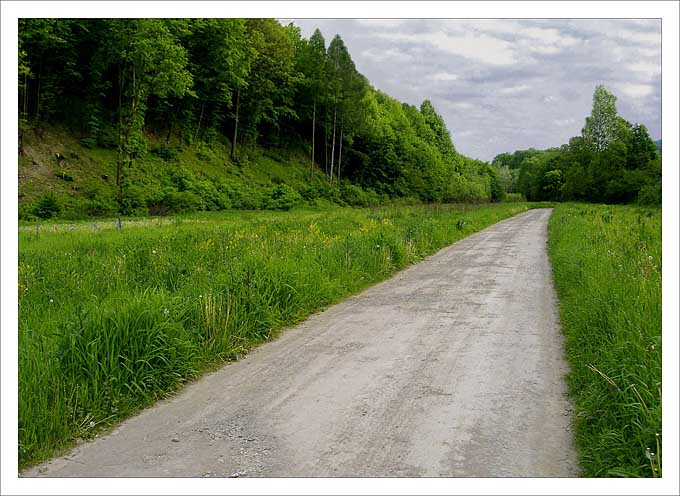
283	197
183	201
514	197
26	211
357	196
205	153
47	207
100	205
167	153
650	194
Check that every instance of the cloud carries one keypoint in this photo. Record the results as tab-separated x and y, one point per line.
513	90
508	84
383	55
635	90
649	68
381	23
443	76
483	48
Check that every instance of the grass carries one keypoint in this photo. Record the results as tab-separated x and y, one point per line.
171	178
112	320
607	269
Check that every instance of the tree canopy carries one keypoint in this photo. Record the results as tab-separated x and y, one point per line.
612	161
251	82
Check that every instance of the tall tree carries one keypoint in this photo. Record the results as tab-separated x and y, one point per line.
220	56
313	67
268	98
601	125
149	61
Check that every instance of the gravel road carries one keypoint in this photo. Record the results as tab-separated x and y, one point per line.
452	368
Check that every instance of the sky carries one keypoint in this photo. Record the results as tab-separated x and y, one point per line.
508	84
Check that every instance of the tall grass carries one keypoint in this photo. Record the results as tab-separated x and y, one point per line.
111	320
607	267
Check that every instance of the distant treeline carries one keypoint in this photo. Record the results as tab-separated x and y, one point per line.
613	161
115	82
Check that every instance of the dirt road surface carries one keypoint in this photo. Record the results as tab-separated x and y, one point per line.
452	368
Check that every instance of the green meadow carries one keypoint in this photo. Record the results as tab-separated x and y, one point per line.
111	320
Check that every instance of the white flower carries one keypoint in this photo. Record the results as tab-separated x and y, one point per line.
166	312
51	300
650	258
153	251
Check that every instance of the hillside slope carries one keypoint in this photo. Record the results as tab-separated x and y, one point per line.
56	169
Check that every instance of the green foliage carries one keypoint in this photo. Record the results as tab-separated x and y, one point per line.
283	197
47	207
607	270
613	161
163	90
650	194
601	127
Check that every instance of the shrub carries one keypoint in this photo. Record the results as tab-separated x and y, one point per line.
167	153
283	197
47	207
183	201
650	194
514	197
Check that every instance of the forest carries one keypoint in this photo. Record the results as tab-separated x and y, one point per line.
175	115
229	87
613	161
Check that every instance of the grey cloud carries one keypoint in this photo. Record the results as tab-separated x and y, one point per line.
517	83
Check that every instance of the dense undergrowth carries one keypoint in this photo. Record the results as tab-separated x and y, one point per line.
59	178
607	269
111	320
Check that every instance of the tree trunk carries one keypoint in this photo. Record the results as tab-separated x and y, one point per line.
133	117
37	97
335	114
119	162
311	169
233	143
24	115
325	141
200	117
167	137
340	153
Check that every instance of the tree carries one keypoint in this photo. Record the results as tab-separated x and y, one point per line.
267	101
601	126
315	65
149	61
220	56
441	133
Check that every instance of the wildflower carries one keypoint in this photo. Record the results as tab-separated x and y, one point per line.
153	251
51	300
91	423
650	258
166	312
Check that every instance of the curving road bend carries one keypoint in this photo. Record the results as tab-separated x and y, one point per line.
453	368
